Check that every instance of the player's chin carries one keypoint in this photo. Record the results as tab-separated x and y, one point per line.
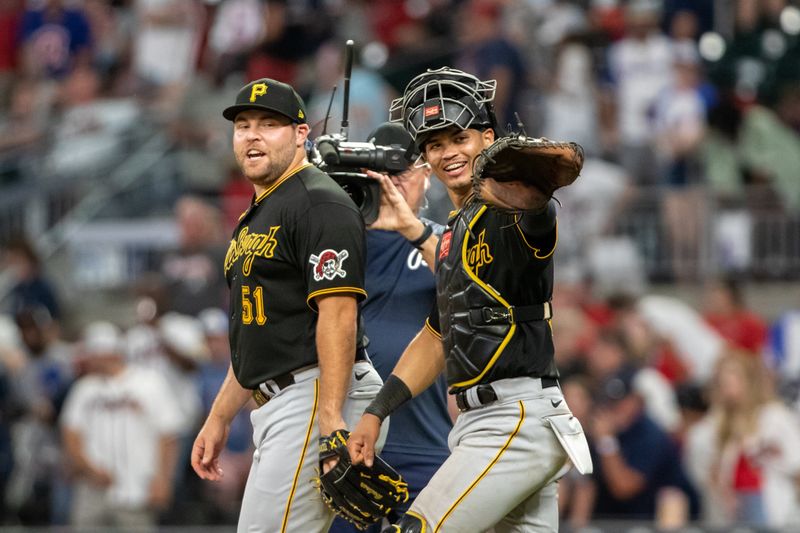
260	175
457	183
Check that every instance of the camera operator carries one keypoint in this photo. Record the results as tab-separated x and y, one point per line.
402	195
400	292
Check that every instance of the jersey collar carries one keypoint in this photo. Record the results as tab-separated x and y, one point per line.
280	180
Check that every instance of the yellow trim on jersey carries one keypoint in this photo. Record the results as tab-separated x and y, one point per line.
302	456
430	328
281	180
485	470
536	250
333	290
421	521
274	186
495	294
244	213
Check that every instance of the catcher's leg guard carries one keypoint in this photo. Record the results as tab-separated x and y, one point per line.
408	524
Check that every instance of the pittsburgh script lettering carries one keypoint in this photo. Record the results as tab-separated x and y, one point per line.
478	254
251	245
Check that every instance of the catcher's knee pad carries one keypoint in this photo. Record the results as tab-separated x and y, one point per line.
408	524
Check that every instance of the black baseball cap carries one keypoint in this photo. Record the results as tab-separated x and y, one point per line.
394	134
270	95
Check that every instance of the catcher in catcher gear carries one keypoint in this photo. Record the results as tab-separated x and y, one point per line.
295	267
490	326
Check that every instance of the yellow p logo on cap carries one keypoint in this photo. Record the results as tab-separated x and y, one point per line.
259	89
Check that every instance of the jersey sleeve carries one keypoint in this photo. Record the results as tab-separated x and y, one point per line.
539	231
333	252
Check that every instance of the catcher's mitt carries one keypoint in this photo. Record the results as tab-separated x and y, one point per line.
360	494
519	173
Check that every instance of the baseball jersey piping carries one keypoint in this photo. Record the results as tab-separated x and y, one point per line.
333	290
275	185
430	328
494	294
421	521
485	470
535	249
302	457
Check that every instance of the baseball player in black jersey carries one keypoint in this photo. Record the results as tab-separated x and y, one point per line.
489	329
295	268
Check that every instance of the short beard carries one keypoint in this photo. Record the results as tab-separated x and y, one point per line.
277	168
279	164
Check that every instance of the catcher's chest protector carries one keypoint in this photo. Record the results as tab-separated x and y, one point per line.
470	346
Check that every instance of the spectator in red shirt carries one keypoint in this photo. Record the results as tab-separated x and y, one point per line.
744	454
727	312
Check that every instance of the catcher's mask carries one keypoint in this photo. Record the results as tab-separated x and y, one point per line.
442	98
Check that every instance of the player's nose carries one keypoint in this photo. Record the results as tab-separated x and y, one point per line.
449	151
252	135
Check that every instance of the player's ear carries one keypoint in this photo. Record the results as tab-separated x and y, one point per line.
301	133
488	136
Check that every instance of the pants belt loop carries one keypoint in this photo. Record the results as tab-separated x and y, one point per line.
265	390
272	386
471	397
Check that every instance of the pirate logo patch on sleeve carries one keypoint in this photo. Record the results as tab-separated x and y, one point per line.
328	264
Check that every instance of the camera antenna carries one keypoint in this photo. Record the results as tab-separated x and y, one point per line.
348	68
328	112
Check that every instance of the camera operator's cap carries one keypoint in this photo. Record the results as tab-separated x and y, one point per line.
394	134
270	95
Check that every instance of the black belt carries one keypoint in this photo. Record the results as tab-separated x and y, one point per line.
511	315
485	394
274	385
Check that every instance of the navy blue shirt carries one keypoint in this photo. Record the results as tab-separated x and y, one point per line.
650	451
401	291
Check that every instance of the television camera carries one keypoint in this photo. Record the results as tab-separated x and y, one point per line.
345	160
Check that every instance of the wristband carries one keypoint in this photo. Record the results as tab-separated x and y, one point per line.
607	445
392	395
427	231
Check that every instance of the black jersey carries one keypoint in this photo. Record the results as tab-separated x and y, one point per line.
303	237
485	257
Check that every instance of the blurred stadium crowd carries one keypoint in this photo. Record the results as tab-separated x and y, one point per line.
689	112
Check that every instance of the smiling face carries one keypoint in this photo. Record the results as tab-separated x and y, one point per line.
451	153
266	145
